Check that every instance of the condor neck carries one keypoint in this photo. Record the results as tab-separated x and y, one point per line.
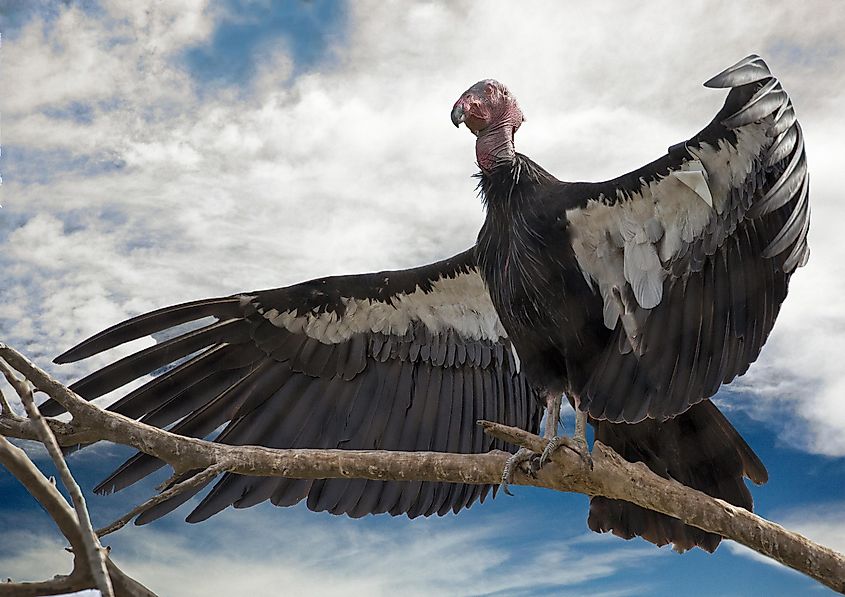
494	146
512	189
504	185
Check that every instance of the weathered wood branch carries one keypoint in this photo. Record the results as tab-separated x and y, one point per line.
614	477
38	486
91	566
610	475
95	555
197	480
23	469
5	408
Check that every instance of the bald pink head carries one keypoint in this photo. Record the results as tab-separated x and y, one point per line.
492	114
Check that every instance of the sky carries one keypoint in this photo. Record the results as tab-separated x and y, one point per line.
159	152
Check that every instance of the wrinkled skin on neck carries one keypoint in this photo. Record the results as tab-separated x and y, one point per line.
491	113
495	146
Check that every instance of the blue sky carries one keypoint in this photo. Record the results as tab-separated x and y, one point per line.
171	151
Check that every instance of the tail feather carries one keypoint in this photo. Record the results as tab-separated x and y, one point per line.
699	448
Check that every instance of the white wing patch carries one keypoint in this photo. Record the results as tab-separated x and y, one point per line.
461	303
728	166
694	175
625	247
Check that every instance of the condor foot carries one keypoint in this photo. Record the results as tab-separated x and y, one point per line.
576	444
524	459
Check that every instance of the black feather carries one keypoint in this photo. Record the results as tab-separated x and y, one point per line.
150	323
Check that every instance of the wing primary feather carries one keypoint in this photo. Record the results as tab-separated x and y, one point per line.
166	507
794	224
193	398
785	186
198	424
750	69
765	102
150	323
782	146
160	389
800	251
783	120
786	189
145	361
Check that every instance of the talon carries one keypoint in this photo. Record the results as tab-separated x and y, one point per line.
522	455
576	444
507	474
553	445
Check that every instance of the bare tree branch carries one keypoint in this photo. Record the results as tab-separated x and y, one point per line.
91	566
17	462
23	469
66	434
96	555
610	476
5	408
614	477
196	481
55	586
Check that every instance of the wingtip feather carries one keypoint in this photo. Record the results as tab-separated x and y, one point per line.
748	70
150	323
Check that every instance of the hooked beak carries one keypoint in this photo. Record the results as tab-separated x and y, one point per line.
458	115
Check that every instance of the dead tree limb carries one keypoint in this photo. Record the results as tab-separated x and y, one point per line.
95	555
38	486
91	565
610	475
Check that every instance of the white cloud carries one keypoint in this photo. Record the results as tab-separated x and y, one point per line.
36	556
292	551
354	166
331	557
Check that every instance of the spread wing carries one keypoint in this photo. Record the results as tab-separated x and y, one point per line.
401	360
692	254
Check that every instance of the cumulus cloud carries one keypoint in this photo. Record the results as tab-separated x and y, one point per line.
344	558
37	555
144	187
129	183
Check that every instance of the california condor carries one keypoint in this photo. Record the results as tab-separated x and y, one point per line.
636	298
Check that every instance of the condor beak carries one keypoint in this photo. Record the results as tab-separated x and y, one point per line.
458	115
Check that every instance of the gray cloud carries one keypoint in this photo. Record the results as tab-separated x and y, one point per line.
237	556
354	166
